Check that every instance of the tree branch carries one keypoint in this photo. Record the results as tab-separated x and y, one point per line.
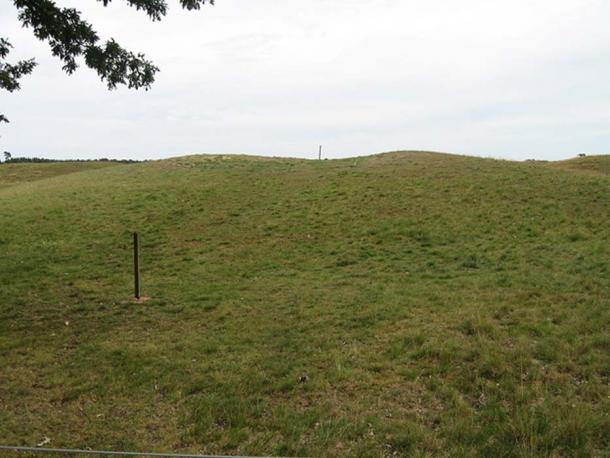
71	37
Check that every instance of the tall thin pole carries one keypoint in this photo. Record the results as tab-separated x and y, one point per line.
136	265
320	153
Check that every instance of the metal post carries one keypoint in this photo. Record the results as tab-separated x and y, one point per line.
136	265
320	153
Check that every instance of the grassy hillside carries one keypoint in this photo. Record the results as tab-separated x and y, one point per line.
592	164
11	174
402	304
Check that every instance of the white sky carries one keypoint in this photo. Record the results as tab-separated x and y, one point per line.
514	79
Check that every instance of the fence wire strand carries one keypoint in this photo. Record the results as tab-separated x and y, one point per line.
69	451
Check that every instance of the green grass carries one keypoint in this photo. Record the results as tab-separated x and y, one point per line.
405	304
591	164
12	174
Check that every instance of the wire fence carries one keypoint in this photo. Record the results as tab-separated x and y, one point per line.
69	451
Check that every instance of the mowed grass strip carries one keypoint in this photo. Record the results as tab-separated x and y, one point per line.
405	304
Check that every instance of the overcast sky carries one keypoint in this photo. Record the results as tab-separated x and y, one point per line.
514	79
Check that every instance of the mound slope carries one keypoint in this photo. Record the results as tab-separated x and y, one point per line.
400	304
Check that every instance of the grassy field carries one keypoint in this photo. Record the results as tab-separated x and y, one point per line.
11	174
593	164
405	304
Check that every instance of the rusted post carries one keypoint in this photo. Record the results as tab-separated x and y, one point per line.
136	265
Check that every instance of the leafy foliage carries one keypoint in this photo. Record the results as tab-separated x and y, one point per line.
71	37
10	73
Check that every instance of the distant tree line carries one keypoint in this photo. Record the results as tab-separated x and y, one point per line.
13	160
